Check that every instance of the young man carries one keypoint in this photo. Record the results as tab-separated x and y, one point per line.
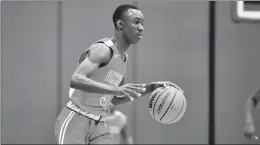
251	103
98	83
118	126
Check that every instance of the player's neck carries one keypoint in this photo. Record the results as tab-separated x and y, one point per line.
121	44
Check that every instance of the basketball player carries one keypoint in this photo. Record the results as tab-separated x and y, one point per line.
99	83
251	103
118	126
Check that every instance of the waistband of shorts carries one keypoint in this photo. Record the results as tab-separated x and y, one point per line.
73	107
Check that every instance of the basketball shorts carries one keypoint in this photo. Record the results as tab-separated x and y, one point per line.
72	127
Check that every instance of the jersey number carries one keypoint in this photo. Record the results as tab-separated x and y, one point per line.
105	99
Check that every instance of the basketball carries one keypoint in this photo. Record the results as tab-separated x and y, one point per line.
167	105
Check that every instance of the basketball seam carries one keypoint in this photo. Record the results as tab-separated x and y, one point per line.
157	100
169	106
178	114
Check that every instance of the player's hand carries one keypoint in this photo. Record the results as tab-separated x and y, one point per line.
249	132
130	140
127	93
150	87
130	90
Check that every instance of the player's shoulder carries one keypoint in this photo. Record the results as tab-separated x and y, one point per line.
100	44
102	40
100	49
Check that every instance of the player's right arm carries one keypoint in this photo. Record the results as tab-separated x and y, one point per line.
98	54
251	103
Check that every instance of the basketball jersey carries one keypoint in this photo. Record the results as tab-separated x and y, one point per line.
110	74
116	122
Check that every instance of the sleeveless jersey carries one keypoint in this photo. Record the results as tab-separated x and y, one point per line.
110	74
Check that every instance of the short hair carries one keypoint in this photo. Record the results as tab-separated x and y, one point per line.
121	11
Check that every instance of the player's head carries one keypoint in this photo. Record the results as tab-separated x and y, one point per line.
128	21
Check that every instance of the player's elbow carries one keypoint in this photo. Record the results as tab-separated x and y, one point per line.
74	81
251	98
252	101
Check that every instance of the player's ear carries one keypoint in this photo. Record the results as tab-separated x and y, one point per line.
120	24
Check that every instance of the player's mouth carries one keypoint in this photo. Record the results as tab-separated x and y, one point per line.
139	34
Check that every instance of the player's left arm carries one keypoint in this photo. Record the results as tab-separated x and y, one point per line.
251	103
127	138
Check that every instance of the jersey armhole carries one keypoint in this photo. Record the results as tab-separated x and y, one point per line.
104	64
84	54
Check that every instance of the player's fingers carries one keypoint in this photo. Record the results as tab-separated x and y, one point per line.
248	135
256	137
128	97
135	94
126	94
120	96
137	89
138	85
131	99
174	85
132	93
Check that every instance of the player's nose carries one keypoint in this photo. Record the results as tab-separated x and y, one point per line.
140	28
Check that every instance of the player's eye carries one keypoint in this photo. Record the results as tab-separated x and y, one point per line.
136	22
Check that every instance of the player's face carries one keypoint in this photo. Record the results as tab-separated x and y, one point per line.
133	25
